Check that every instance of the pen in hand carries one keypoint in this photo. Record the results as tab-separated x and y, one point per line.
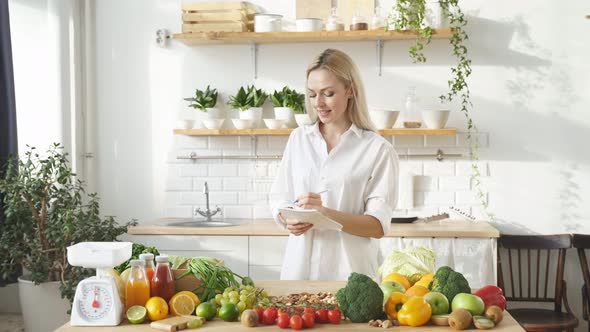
321	192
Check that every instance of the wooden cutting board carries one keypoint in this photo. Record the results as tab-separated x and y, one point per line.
346	9
172	324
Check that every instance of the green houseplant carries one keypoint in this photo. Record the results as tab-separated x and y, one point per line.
411	14
257	97
203	99
289	98
240	100
46	211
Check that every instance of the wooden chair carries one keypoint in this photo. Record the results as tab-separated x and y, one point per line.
529	262
581	242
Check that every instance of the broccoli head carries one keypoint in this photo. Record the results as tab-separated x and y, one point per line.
361	300
449	282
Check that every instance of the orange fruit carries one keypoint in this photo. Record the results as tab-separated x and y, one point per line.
397	278
157	308
181	304
191	295
416	290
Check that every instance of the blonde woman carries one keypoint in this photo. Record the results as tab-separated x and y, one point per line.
341	167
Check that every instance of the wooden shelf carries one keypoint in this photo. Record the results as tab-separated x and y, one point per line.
286	132
202	38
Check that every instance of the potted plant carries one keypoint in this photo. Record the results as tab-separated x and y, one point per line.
285	102
249	103
205	101
46	211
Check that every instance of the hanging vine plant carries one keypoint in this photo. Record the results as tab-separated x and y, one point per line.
410	15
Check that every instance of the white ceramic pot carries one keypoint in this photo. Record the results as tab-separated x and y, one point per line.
243	123
213	123
9	299
253	113
268	23
215	113
286	114
303	119
435	119
309	24
42	307
274	123
383	118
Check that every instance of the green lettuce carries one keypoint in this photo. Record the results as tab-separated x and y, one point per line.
412	262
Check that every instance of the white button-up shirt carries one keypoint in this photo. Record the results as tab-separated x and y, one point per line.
360	174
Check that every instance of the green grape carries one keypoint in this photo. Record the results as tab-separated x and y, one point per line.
234	300
224	301
218	298
264	293
241	306
243	297
233	294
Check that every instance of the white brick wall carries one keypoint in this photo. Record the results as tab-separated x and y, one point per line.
241	187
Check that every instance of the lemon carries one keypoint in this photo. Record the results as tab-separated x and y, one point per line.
181	304
157	308
136	314
192	296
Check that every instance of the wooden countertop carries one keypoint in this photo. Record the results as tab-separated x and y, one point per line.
276	287
267	227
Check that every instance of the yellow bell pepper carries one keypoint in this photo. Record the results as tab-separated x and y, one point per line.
415	312
425	280
394	303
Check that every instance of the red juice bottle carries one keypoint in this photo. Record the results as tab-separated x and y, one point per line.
162	283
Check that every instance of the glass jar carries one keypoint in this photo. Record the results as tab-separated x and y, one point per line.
137	288
358	22
162	284
334	22
411	116
149	264
378	21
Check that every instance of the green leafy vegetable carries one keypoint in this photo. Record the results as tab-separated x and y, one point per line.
136	250
361	300
449	282
412	262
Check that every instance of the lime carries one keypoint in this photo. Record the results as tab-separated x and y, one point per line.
229	312
196	323
206	310
136	314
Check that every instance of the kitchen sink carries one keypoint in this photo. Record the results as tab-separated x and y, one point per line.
201	223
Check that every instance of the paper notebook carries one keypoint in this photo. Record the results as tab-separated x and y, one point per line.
311	216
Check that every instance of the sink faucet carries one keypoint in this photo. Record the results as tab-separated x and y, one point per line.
207	213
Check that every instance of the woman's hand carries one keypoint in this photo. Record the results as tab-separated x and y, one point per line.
295	227
310	201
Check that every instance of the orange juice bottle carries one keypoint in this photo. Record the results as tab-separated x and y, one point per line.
149	264
137	289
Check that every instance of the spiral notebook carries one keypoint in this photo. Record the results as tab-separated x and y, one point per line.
311	216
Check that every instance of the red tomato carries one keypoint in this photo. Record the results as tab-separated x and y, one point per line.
268	316
308	320
259	311
309	310
283	321
296	322
321	316
334	316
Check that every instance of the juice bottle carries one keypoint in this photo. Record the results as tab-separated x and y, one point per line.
149	264
137	289
162	284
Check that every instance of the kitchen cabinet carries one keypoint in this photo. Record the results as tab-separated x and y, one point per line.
508	324
256	247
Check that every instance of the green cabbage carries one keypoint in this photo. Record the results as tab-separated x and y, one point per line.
412	262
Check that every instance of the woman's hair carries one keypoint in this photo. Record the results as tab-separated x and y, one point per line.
341	65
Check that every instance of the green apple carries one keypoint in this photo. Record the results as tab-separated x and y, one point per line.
472	303
389	287
438	302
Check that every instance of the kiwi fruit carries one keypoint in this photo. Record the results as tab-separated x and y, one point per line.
460	319
482	323
440	320
494	313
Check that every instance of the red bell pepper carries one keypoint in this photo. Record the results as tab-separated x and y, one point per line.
492	295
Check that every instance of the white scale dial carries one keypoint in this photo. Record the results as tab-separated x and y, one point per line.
96	301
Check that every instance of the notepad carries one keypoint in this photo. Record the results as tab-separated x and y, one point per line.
311	216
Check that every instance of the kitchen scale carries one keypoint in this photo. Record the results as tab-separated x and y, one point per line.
97	301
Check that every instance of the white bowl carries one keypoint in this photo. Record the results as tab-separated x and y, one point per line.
435	119
188	124
382	118
274	123
243	123
308	24
303	119
213	123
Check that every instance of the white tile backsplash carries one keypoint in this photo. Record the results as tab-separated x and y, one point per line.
241	187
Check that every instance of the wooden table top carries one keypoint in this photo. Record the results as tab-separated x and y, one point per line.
282	287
